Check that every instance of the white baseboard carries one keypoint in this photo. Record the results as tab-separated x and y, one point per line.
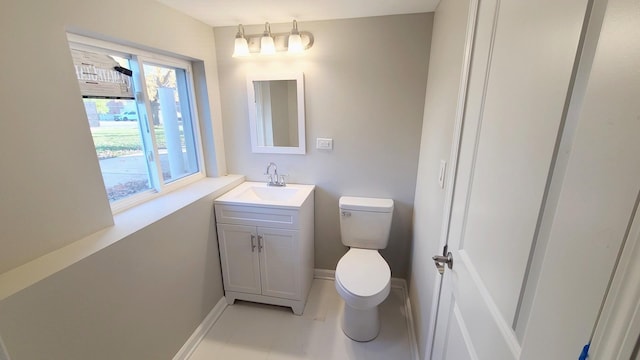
198	334
324	274
3	351
413	342
398	283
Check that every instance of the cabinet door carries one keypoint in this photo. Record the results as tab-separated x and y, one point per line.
239	258
279	263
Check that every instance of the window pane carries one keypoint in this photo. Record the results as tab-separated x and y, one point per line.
168	93
116	135
127	122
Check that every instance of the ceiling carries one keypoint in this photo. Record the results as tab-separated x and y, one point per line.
234	12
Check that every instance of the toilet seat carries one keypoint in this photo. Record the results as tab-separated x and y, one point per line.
363	278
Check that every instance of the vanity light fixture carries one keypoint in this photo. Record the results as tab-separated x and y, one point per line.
241	47
267	46
266	43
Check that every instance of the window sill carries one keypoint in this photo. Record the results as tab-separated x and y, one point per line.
125	223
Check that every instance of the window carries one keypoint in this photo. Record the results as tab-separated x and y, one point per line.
140	110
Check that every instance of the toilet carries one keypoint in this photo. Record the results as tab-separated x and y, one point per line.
363	277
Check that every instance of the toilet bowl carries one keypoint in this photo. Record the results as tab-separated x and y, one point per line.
363	280
363	277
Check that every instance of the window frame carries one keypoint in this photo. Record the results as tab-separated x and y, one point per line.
139	57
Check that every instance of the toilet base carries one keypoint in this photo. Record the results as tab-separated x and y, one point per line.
360	324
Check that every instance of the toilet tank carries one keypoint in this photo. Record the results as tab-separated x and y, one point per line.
365	222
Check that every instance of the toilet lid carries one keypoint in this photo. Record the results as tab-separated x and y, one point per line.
363	272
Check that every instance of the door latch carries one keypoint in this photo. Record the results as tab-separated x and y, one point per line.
445	259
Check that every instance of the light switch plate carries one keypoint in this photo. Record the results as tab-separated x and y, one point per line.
324	144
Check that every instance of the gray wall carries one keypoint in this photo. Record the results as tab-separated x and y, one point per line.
364	87
140	298
51	190
445	69
143	296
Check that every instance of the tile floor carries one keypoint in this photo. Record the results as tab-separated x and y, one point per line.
254	331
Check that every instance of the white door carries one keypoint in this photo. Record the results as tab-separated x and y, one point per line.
239	258
520	74
280	263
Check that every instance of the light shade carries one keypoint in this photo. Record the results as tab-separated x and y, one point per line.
267	46
241	47
295	44
295	41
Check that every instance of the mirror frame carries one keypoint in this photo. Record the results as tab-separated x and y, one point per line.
253	114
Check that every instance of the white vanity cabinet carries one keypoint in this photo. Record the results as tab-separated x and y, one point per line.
266	253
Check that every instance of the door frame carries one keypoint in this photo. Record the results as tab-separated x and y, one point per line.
450	177
618	326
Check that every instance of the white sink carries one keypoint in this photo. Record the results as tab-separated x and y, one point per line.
257	193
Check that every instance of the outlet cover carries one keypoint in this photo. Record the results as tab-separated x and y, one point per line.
324	144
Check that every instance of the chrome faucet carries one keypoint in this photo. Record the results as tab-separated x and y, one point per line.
274	179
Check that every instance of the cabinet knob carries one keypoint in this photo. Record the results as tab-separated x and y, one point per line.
259	243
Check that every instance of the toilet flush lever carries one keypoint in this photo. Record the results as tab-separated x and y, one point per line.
346	213
445	259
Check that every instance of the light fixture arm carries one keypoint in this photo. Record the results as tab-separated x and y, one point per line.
240	33
267	29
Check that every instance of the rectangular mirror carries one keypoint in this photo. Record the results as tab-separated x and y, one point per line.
276	113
